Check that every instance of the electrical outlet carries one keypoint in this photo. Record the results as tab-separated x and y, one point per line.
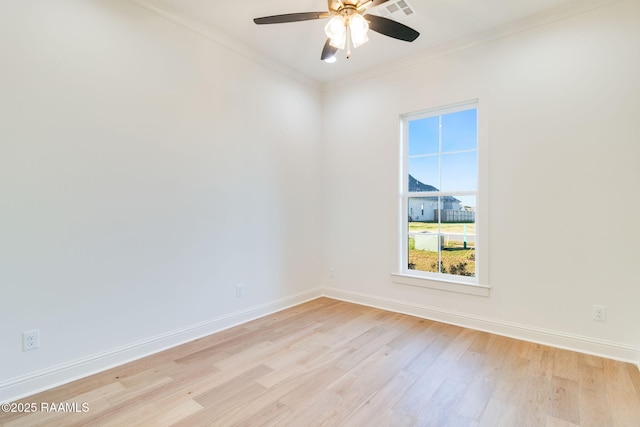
239	291
600	313
30	340
332	272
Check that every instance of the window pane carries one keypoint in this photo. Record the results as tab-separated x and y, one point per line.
423	174
423	233
457	210
468	203
458	254
423	259
460	131
459	233
423	210
459	236
459	171
424	136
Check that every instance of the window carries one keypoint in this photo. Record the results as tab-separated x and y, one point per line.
439	194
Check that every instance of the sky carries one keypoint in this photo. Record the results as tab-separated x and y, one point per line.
458	157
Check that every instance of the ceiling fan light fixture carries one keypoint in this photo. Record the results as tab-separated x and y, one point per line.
336	30
349	24
358	27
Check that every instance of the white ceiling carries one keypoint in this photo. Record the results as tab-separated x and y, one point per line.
298	45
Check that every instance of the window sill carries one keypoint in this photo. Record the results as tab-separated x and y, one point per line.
442	285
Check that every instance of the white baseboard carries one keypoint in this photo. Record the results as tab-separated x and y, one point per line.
35	382
602	348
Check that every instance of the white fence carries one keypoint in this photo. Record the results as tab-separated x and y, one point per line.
450	215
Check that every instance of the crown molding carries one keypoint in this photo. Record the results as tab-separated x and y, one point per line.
545	18
575	8
572	9
208	32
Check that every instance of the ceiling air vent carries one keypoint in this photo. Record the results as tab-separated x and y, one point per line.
398	10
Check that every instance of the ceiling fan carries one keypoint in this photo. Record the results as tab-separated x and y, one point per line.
348	25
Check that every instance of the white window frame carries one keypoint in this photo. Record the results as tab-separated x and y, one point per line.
475	285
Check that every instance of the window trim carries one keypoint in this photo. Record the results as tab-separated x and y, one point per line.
442	284
446	282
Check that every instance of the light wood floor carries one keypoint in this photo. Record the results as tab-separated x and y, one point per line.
333	363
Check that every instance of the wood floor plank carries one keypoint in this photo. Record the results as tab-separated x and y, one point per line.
625	406
270	415
333	363
556	422
617	375
513	380
564	403
499	414
162	412
459	345
387	396
542	362
289	390
425	387
217	396
436	345
590	377
634	375
591	400
533	407
565	365
481	342
591	360
477	396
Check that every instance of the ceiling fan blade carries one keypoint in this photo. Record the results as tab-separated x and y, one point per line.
391	28
290	17
328	51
